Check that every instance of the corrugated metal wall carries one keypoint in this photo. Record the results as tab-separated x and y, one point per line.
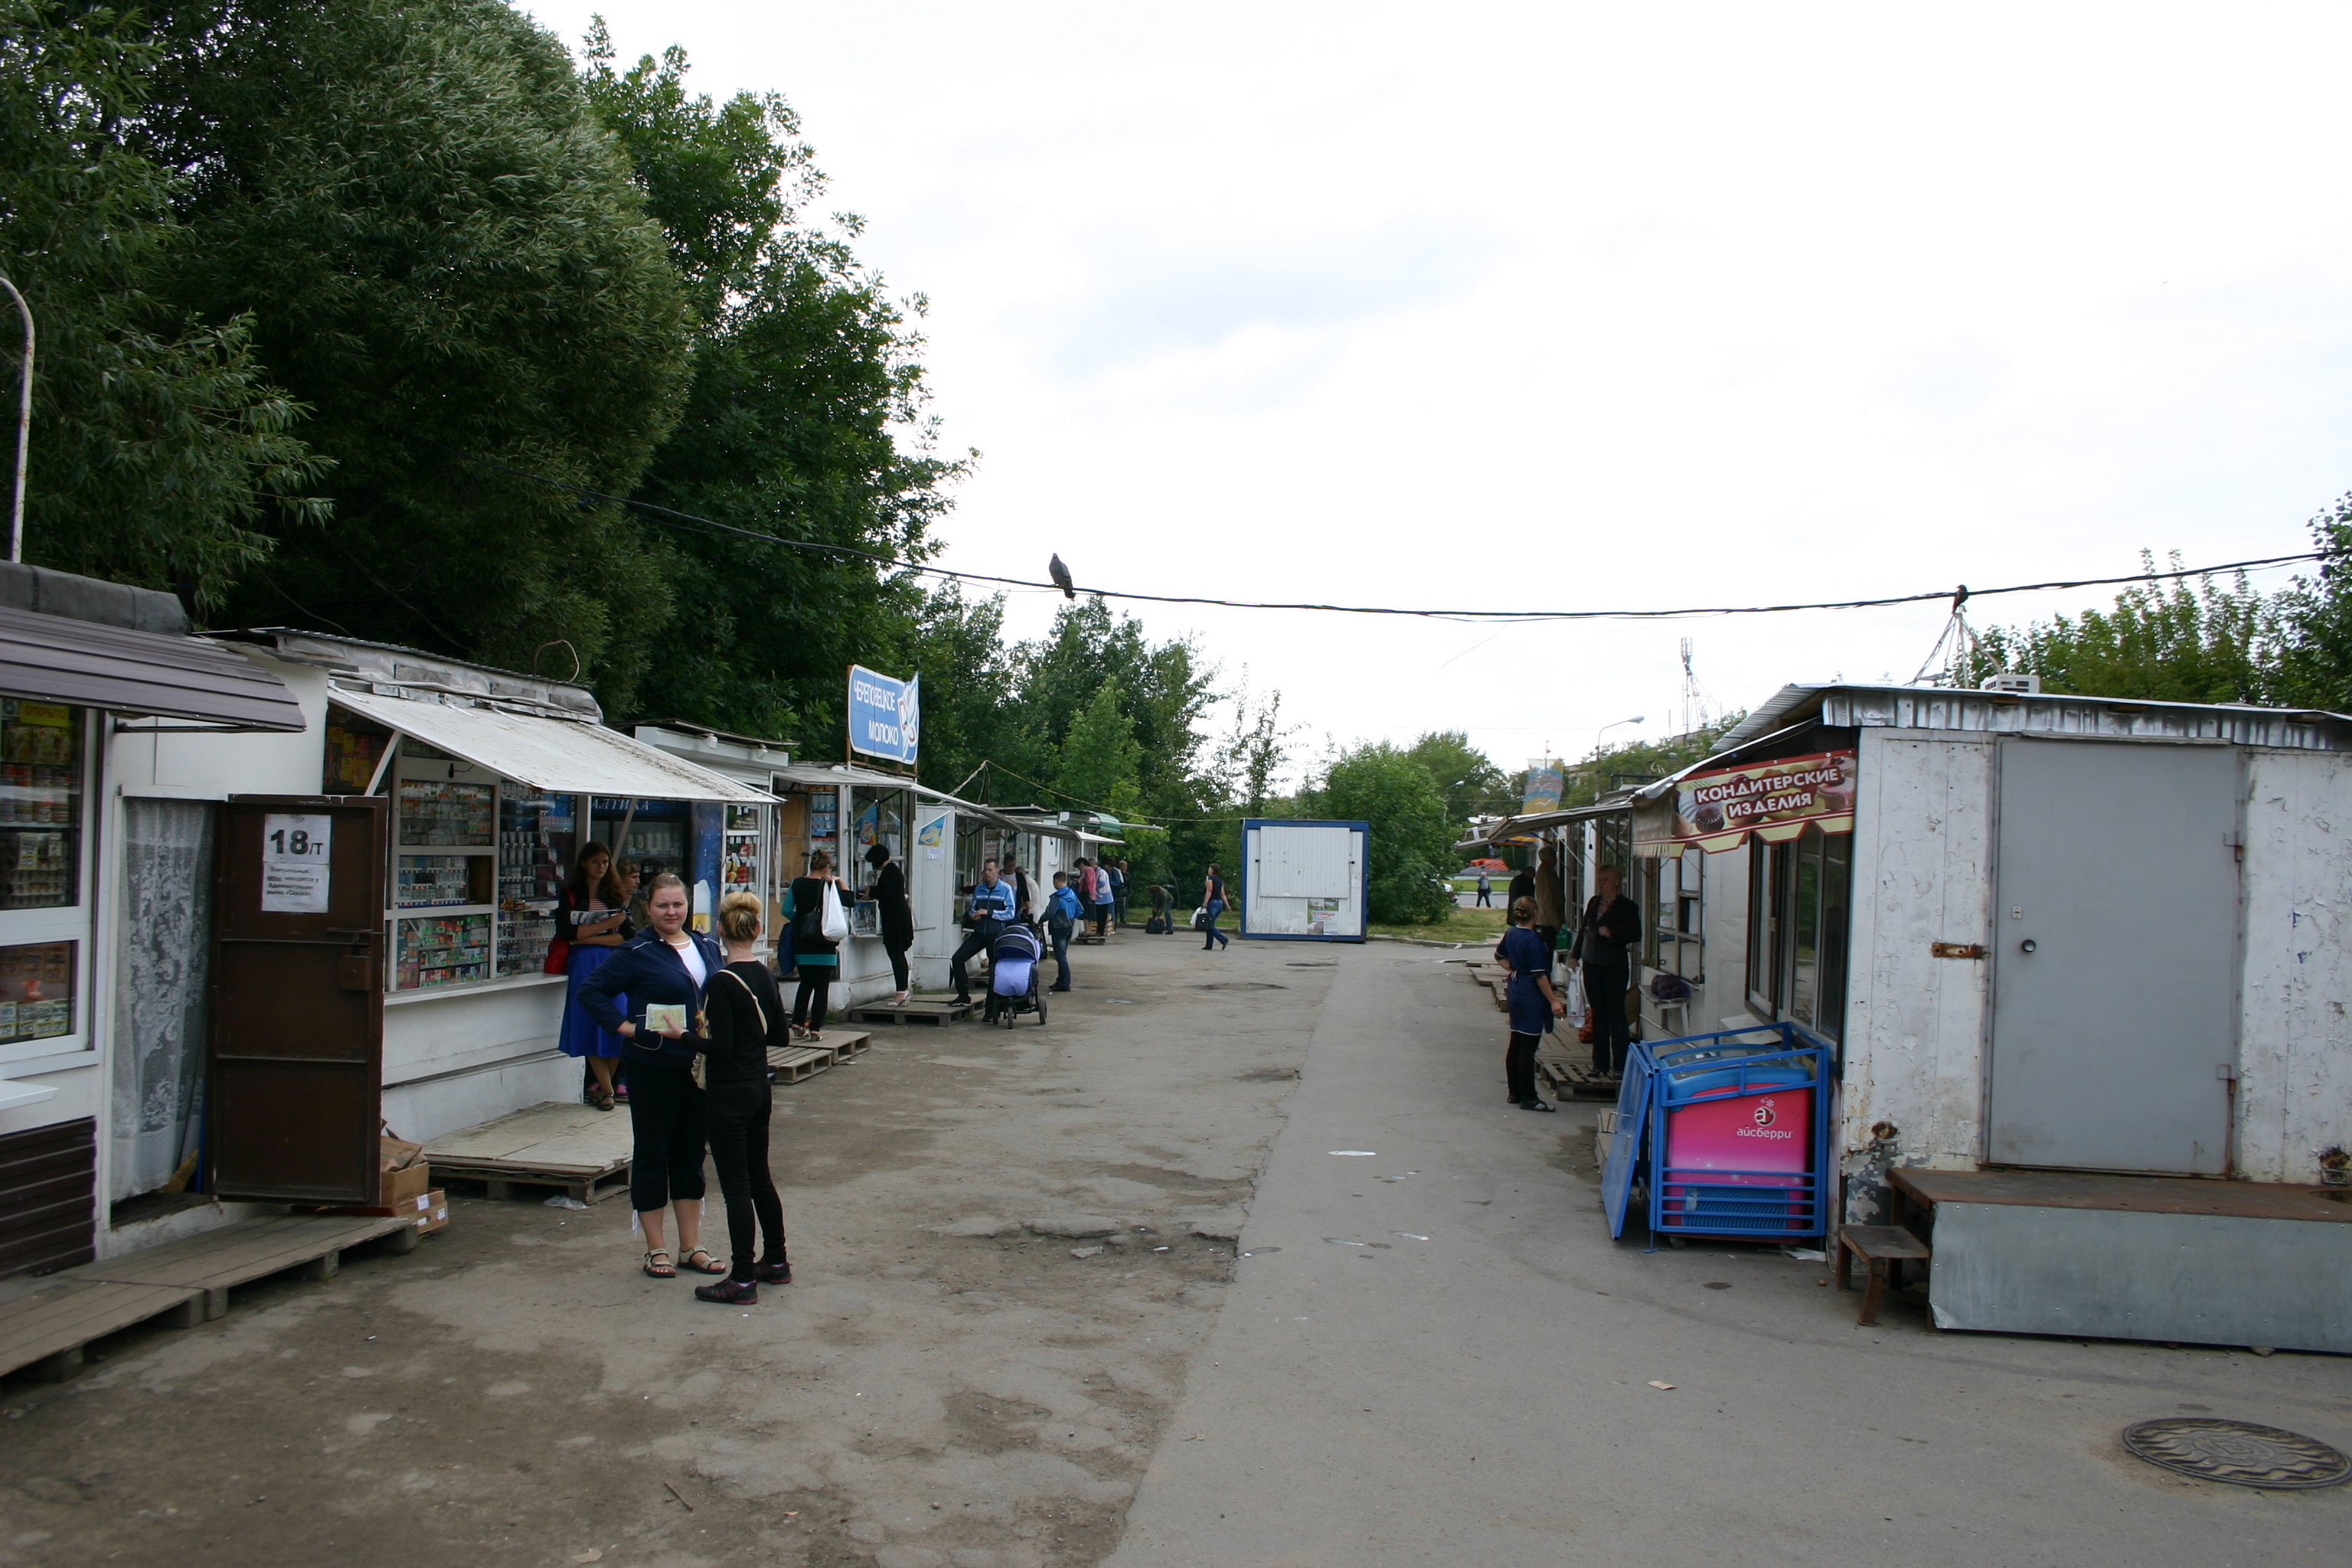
48	1183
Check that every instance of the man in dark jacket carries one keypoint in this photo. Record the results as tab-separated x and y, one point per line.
1606	938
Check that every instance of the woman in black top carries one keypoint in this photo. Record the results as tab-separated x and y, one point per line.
746	1020
670	966
816	955
897	915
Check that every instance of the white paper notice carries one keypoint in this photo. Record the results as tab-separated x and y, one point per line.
295	851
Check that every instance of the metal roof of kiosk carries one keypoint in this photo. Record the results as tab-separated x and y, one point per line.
88	643
830	774
1537	821
562	756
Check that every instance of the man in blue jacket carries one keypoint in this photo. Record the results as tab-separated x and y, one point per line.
1062	917
986	915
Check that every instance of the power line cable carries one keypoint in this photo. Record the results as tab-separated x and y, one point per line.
678	517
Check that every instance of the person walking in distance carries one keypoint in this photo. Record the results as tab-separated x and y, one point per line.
897	915
1606	933
986	913
1533	1002
1212	901
816	955
1062	916
1485	890
665	967
746	1016
1118	895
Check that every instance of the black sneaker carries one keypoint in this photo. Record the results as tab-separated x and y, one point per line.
729	1293
774	1273
1535	1105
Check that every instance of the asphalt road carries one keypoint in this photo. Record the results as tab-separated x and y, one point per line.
1022	1338
1486	1395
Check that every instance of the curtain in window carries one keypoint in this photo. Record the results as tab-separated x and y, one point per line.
161	979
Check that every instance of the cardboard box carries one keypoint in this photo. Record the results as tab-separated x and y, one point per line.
404	1193
433	1212
400	1185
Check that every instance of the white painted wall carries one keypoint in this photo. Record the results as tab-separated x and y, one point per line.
1922	874
2295	1082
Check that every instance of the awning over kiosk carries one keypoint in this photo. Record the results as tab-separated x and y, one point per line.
88	663
562	756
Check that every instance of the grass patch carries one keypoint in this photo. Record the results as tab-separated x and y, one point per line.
1459	925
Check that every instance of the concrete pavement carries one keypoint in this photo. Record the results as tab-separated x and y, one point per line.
1486	1396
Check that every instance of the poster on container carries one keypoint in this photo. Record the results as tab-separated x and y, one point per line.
1717	810
885	714
1543	781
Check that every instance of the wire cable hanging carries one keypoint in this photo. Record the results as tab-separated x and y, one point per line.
675	516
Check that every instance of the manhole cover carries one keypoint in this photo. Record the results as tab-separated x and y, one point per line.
2239	1452
1241	985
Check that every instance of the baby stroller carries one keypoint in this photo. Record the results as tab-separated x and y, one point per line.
1013	989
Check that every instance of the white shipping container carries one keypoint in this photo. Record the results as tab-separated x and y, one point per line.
1303	881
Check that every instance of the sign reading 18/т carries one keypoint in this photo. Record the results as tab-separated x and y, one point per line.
296	852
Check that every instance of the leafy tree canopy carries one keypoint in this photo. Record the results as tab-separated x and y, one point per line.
1412	838
163	452
1468	779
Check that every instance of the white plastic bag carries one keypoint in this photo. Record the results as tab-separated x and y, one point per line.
1577	1010
835	923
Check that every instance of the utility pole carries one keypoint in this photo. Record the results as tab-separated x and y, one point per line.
24	426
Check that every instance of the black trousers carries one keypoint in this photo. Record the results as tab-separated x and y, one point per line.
738	1115
808	1002
974	944
1519	1067
666	1120
898	967
1604	990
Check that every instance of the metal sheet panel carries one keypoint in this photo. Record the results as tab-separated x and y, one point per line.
2217	1280
1298	875
562	756
86	665
2113	1038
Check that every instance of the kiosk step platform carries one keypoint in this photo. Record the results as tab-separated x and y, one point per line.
916	1010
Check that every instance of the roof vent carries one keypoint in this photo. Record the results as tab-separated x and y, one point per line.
2011	682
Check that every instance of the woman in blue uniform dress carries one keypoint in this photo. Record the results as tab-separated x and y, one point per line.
1534	1004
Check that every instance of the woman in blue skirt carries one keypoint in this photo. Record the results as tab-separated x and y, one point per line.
1534	1004
590	915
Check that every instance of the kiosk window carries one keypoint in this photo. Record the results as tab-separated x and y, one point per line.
41	805
1797	903
36	991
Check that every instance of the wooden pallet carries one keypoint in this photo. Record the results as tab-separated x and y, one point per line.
1574	1077
47	1323
918	1010
793	1063
571	1148
47	1328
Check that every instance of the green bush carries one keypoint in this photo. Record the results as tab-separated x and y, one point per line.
1411	841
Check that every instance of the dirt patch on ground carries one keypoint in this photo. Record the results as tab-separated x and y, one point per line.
949	1385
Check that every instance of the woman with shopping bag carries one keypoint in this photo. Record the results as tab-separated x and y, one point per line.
1534	1004
819	925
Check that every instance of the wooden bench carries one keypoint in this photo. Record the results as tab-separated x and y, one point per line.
1885	1248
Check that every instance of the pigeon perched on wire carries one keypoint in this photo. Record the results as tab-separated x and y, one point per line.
1061	575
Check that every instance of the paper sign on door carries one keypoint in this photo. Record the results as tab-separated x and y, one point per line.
295	852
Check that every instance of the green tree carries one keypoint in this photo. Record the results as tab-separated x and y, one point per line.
1410	837
2314	621
804	420
2166	642
1468	779
442	253
162	453
1612	767
1101	760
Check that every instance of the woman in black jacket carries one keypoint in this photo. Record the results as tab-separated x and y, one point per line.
747	1019
666	965
816	955
897	915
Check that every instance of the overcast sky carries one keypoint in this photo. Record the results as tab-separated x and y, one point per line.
1555	307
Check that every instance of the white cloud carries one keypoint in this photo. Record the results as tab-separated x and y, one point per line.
1548	306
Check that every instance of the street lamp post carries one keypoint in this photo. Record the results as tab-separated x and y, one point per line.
1636	718
24	426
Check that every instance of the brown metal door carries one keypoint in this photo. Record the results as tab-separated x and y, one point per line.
296	1069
